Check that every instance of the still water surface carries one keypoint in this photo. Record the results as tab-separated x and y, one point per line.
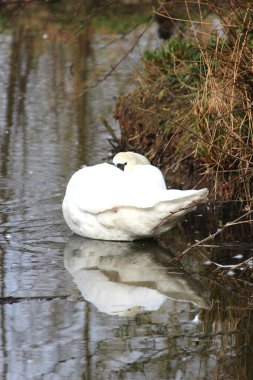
74	308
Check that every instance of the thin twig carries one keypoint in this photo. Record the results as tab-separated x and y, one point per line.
219	230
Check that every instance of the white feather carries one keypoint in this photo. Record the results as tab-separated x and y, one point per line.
104	202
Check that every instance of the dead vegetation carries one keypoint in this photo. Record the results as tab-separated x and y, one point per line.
202	82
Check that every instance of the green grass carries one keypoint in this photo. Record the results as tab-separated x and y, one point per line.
178	62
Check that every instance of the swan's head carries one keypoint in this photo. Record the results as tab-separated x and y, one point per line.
126	161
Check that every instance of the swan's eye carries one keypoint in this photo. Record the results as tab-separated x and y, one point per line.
121	166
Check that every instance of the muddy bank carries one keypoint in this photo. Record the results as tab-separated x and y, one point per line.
192	113
149	120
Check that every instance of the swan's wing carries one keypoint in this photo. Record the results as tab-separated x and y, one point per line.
172	200
148	178
93	188
143	187
104	187
176	196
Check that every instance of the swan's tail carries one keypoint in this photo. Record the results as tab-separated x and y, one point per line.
181	203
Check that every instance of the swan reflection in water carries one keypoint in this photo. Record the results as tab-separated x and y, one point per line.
126	278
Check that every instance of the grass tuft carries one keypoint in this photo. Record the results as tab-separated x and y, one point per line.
210	60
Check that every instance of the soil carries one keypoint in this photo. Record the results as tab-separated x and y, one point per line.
149	120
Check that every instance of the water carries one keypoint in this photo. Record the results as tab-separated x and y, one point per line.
80	309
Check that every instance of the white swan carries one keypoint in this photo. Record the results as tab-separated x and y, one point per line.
104	202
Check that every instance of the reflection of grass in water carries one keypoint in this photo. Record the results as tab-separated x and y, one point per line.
76	16
229	323
3	20
119	21
227	326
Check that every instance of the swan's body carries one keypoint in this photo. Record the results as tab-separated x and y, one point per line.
104	202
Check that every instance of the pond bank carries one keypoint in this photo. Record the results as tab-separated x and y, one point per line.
143	117
191	114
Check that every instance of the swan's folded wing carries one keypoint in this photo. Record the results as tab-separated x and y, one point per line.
147	178
92	188
104	187
109	200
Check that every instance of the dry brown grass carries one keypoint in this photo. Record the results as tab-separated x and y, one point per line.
222	106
